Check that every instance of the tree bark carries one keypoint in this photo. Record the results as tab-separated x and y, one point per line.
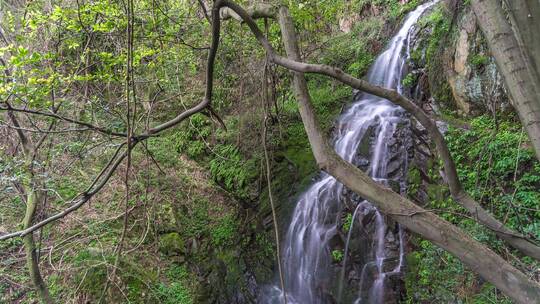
32	261
515	64
261	10
472	253
525	19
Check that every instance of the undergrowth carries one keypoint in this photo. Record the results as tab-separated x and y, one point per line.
498	167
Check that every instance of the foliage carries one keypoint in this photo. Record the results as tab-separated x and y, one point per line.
398	10
224	233
436	276
337	255
195	222
394	9
356	55
176	291
347	223
191	140
498	168
438	36
229	169
438	20
69	57
478	60
409	80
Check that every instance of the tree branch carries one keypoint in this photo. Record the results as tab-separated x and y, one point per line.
70	120
101	180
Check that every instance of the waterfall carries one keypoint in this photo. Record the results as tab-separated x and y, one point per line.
307	260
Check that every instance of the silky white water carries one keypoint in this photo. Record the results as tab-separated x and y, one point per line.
306	253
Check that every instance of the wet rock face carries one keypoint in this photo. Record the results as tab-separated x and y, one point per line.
361	264
466	66
473	78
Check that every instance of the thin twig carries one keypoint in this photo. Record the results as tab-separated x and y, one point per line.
269	181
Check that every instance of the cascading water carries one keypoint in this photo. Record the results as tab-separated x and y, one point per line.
306	251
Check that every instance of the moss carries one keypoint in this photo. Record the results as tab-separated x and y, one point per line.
137	279
478	60
413	261
298	151
337	255
453	119
438	20
171	244
437	192
295	164
433	46
93	280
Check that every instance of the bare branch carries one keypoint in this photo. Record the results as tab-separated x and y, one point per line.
101	180
45	131
207	100
260	10
71	120
204	9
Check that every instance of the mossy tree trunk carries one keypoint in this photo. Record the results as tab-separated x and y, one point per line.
32	258
33	202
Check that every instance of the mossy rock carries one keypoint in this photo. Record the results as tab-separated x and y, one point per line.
172	244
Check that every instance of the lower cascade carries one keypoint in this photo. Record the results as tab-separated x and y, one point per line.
368	135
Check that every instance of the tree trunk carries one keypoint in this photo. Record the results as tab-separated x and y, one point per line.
518	68
525	18
478	257
32	262
32	202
